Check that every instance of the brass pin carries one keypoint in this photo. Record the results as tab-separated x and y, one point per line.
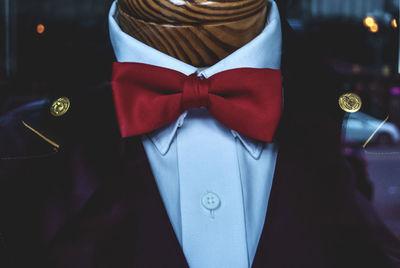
41	135
376	130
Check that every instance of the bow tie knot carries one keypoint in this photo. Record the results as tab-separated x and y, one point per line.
195	92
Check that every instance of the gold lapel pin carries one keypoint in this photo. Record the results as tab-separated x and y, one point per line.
350	102
60	106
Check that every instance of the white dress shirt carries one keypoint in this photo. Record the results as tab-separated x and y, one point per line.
214	182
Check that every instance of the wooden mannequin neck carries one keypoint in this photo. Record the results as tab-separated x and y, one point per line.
199	40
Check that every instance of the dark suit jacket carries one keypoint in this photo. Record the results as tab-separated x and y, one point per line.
94	202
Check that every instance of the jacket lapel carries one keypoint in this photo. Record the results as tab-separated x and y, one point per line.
292	234
154	232
287	239
107	188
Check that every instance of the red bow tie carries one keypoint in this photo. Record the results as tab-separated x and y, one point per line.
246	100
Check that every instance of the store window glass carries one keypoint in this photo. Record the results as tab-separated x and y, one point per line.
55	48
49	47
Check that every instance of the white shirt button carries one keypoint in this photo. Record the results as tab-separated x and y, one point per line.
211	201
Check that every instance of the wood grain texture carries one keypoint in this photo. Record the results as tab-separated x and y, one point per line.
197	32
190	12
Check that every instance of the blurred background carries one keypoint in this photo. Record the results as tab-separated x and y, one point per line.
361	42
43	42
50	47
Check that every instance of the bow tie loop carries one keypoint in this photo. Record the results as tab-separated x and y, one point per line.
195	92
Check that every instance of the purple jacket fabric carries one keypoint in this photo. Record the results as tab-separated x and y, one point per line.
94	202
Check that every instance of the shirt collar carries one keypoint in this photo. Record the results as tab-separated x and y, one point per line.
264	51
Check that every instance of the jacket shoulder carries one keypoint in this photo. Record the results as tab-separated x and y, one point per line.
33	131
16	138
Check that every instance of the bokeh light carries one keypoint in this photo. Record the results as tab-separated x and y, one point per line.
369	21
356	68
40	28
394	23
374	28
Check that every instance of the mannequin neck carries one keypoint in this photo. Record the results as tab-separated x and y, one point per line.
194	34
